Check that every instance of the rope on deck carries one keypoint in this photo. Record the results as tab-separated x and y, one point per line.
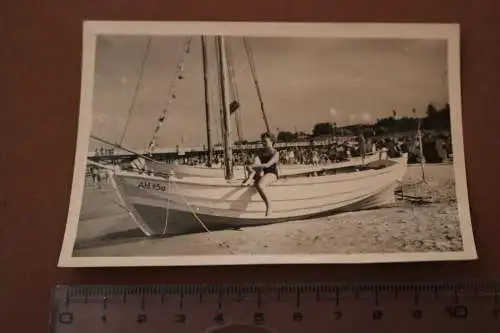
198	219
164	232
165	228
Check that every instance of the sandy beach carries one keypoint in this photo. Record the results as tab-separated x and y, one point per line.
424	218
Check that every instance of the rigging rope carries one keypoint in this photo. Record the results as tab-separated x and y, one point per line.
203	225
165	227
137	88
169	190
125	149
114	201
171	95
256	82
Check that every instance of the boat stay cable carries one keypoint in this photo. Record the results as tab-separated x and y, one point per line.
253	70
137	88
198	219
147	158
169	190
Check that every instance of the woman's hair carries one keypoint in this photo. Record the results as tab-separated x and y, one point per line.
269	136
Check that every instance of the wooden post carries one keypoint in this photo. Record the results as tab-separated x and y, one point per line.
421	147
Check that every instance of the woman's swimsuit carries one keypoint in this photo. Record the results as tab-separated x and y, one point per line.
266	157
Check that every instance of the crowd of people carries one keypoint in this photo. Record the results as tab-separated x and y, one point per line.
104	151
436	148
97	177
338	151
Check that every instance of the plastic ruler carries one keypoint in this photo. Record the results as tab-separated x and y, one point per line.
277	308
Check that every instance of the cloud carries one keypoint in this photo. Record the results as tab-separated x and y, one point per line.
334	112
366	117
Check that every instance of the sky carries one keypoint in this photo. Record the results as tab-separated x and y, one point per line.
303	81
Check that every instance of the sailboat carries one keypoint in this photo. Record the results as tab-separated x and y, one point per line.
173	205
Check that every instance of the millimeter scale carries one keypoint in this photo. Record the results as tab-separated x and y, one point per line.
277	308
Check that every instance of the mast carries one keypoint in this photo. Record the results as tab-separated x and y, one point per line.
226	129
207	104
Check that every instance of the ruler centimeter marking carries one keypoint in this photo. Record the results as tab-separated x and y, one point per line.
321	307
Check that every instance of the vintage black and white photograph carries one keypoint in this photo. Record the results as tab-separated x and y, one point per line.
267	143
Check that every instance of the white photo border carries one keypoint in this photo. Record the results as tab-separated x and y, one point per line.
92	29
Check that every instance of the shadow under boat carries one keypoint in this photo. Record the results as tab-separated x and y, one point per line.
111	238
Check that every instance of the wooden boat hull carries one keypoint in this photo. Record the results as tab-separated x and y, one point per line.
239	173
175	206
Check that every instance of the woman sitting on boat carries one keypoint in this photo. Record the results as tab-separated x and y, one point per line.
264	170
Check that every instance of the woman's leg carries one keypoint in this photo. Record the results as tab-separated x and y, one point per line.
249	179
250	176
262	185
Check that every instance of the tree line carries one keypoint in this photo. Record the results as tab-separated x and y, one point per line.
435	119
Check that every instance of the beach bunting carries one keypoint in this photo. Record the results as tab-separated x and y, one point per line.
172	95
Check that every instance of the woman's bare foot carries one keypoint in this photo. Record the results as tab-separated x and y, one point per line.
246	183
268	210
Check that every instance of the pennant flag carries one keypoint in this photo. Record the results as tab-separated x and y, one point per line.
172	95
235	105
